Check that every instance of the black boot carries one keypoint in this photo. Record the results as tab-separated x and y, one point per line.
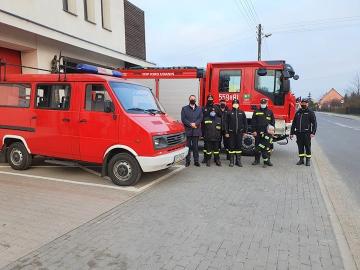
208	161
301	161
238	160
268	162
187	163
307	162
218	162
231	160
257	160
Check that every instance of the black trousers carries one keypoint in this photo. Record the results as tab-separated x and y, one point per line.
193	144
235	143
303	141
212	148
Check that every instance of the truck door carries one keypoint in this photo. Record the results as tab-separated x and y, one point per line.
98	130
227	83
54	119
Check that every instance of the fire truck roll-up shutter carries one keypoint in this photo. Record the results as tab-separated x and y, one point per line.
174	94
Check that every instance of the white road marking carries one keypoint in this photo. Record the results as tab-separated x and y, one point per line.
131	189
346	126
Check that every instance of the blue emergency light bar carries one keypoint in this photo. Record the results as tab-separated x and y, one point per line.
97	70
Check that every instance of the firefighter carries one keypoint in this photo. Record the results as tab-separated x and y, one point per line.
261	119
304	127
206	112
265	144
212	137
223	111
235	127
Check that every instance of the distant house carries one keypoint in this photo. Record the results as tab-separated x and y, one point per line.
331	97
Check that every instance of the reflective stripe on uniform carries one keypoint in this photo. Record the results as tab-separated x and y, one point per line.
268	118
262	146
218	127
302	155
216	153
238	152
267	137
308	156
208	122
259	113
231	152
266	159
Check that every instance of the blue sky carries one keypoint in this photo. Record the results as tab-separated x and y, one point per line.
320	39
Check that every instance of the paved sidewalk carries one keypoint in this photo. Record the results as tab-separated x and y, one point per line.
208	218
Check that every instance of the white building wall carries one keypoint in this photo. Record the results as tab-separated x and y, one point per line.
41	29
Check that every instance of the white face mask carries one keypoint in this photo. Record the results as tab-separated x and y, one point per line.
263	106
236	106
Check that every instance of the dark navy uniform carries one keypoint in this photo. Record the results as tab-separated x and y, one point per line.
235	127
303	125
261	119
212	137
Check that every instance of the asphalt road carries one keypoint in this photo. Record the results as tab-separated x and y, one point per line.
339	138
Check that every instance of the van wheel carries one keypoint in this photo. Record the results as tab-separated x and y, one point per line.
18	156
124	170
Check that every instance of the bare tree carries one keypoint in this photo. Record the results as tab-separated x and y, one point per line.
355	85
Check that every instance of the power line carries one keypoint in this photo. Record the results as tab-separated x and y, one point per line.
252	10
247	12
245	15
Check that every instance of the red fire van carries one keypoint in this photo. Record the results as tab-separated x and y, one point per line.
88	117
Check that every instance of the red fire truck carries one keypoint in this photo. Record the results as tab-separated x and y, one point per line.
88	117
246	81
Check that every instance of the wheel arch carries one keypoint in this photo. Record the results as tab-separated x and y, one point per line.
112	151
9	139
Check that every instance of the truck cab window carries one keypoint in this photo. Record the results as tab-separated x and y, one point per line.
270	86
95	97
53	96
230	81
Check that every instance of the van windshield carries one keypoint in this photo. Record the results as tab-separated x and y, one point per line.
136	98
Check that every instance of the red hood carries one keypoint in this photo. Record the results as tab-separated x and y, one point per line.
158	124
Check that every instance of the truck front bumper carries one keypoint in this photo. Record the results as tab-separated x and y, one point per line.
157	163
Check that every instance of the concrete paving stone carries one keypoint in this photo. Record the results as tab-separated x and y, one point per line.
207	218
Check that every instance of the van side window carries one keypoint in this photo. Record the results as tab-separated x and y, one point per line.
15	95
95	97
230	81
53	96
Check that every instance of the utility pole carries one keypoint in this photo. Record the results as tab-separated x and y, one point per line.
260	36
259	39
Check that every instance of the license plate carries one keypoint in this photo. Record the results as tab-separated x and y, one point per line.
179	158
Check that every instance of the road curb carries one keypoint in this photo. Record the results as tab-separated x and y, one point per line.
343	244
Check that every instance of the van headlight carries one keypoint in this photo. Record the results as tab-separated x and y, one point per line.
160	142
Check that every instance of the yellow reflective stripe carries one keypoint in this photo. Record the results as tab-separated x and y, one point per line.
204	151
308	156
262	146
266	159
216	153
271	140
218	127
267	137
208	122
231	152
268	118
302	155
238	152
259	113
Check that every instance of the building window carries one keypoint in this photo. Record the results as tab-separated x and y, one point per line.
53	97
70	6
95	98
230	81
15	95
89	11
105	14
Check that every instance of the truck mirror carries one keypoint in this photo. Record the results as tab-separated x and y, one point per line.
296	77
109	106
285	85
262	72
